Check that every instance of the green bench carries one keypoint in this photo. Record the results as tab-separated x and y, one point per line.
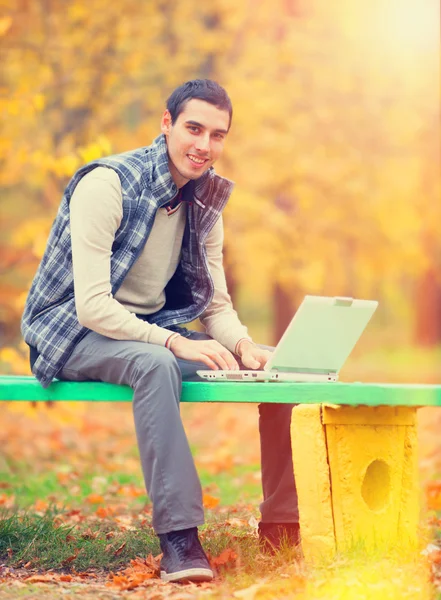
25	388
354	450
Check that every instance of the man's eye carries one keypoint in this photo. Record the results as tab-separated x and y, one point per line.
194	129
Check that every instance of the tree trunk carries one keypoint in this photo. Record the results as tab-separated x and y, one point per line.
428	309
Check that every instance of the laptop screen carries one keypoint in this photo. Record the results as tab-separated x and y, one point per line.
322	334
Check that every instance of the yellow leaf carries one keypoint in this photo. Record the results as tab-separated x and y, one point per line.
77	12
105	145
5	25
90	152
39	102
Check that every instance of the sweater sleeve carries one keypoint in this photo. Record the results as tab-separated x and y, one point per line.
95	215
220	320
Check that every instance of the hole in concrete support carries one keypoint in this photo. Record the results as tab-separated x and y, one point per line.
376	485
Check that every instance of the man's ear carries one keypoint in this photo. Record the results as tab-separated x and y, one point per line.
166	122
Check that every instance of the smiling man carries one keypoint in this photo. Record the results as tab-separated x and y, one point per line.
134	253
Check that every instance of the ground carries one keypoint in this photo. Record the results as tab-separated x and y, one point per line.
76	520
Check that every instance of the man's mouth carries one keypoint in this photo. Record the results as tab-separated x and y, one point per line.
197	160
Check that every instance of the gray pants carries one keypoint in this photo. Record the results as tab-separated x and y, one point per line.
156	375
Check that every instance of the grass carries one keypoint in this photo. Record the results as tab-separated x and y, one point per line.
43	542
239	485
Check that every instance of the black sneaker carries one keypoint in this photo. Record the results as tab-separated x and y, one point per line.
183	557
272	536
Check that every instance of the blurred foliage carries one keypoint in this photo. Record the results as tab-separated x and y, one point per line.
334	144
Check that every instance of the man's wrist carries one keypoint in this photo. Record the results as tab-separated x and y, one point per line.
242	344
170	339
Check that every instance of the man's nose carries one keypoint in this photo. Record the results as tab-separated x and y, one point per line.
203	143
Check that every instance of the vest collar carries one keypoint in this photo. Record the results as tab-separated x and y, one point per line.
159	178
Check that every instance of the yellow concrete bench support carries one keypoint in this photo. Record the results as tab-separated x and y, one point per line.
357	477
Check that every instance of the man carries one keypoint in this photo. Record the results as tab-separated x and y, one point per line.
134	252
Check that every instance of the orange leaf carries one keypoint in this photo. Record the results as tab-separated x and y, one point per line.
119	581
71	558
41	505
39	578
63	478
226	558
130	491
103	512
433	495
66	578
120	549
95	499
210	501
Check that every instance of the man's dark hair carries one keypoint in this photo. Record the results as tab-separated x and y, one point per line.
200	89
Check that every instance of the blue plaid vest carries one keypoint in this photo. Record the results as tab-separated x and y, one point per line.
50	323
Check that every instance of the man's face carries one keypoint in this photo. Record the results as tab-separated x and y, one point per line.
195	140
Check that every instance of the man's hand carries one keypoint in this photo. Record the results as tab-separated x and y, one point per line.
252	356
210	352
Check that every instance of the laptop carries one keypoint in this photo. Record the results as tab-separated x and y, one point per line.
315	345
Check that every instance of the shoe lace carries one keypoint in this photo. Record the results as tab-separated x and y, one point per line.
179	543
185	544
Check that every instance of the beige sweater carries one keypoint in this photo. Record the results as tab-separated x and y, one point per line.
95	215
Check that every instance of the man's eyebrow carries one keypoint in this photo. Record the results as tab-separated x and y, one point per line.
190	122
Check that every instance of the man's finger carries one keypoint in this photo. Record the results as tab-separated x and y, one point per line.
251	361
230	360
219	360
207	361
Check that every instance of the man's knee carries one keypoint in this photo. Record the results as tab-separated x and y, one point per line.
160	360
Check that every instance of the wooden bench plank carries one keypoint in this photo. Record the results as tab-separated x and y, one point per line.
25	388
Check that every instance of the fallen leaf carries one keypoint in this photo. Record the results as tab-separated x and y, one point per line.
226	558
131	491
95	499
41	505
49	578
71	558
210	501
89	534
120	549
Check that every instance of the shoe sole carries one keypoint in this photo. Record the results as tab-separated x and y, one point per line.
197	575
